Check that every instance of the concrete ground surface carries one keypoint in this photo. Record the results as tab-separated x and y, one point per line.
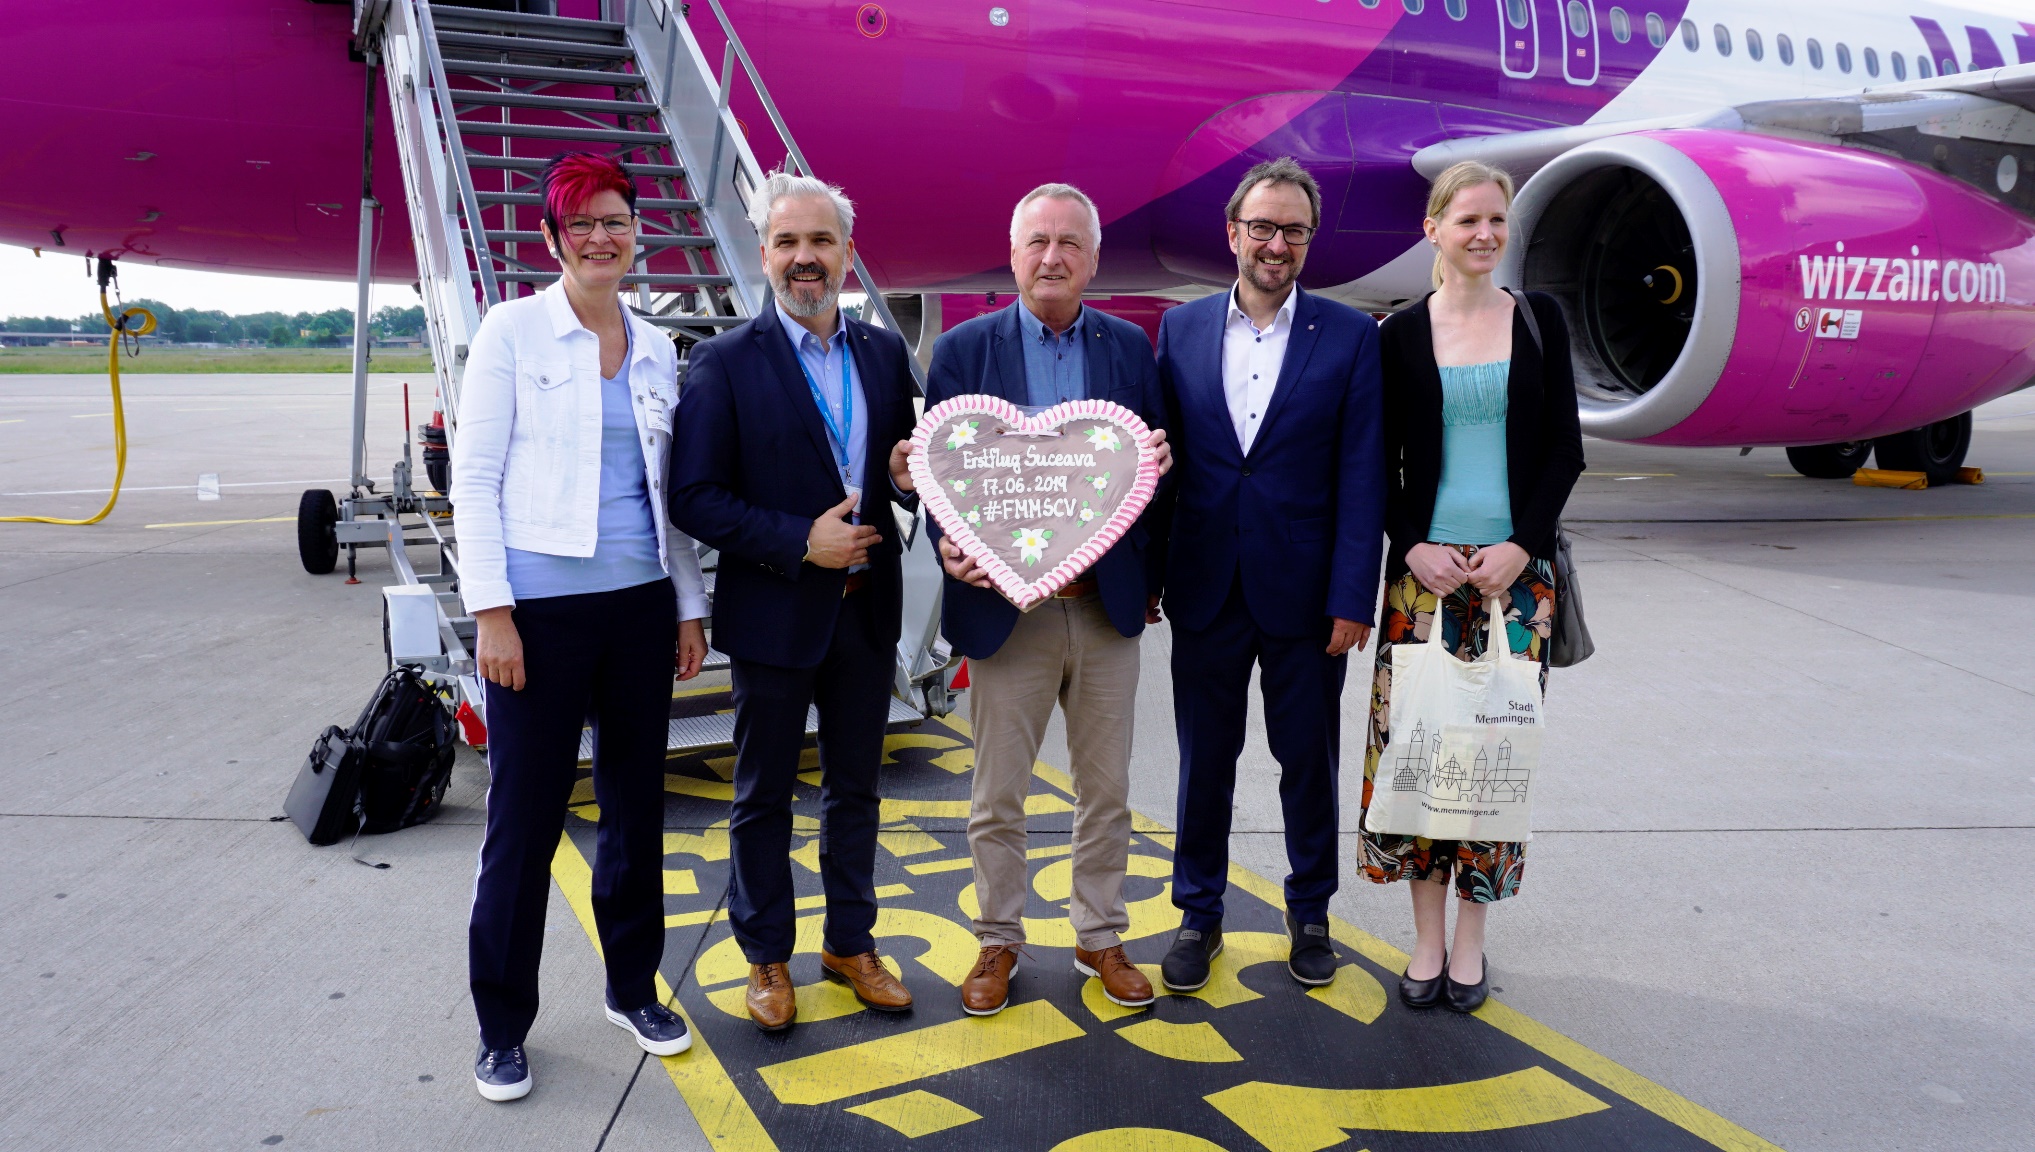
1786	806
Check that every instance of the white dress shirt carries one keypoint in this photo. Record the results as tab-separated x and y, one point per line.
1250	364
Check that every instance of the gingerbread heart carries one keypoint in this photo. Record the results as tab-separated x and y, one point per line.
1033	500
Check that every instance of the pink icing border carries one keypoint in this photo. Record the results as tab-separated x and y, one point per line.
1027	594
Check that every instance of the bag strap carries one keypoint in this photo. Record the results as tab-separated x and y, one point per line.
1526	314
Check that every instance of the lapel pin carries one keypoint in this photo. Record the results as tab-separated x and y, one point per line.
1310	327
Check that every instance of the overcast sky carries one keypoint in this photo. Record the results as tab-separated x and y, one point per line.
57	284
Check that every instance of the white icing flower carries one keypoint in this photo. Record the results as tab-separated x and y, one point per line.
1087	513
1030	543
962	433
1103	439
1100	482
959	485
975	516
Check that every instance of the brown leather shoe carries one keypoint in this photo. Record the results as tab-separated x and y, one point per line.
872	982
771	1001
987	989
1121	980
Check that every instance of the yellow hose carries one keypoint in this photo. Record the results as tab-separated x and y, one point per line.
120	327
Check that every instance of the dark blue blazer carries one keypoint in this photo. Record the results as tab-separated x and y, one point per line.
985	356
1301	518
751	468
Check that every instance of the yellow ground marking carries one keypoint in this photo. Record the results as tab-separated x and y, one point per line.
724	766
93	416
907	840
681	882
1102	1007
957	757
805	825
1055	883
917	1113
687	919
1240	950
1136	1140
1677	1110
1355	993
1288	1118
16	420
956	865
216	523
1037	804
694	786
808	857
1162	839
723	1115
892	1060
710	845
1198	1042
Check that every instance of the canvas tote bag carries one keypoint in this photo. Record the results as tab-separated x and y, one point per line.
1465	741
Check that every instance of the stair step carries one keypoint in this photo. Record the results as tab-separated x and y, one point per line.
478	96
534	164
717	730
643	240
690	279
535	46
642	202
453	16
560	132
590	76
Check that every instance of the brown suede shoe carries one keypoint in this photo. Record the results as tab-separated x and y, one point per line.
771	1001
872	982
1121	980
987	988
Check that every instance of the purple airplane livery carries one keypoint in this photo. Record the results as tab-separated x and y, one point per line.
1807	225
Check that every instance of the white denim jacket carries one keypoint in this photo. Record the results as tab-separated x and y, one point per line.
526	454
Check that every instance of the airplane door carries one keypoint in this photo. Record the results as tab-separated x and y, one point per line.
1579	42
1518	38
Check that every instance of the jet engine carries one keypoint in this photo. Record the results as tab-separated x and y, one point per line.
1727	288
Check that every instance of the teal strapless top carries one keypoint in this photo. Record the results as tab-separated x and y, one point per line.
1474	502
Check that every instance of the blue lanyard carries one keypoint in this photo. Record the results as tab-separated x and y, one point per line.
841	431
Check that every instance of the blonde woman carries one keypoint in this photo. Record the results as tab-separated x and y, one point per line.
1481	449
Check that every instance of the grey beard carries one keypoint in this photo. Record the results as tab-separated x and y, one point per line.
781	287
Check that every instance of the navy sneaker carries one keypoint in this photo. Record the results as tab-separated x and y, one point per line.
657	1029
1312	960
1185	968
501	1073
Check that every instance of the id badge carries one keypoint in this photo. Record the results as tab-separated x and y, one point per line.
856	493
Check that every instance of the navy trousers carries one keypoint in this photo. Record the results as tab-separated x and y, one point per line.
1302	687
603	657
851	689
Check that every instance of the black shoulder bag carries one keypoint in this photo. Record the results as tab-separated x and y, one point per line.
1570	643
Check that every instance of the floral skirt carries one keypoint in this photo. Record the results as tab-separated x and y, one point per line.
1484	870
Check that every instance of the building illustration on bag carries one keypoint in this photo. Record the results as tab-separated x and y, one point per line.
1488	779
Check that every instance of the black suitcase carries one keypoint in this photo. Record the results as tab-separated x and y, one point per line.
322	801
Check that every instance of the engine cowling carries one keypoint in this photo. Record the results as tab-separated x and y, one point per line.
1724	288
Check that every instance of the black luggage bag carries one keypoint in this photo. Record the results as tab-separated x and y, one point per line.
388	771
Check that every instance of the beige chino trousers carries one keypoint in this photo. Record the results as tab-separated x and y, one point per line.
1064	650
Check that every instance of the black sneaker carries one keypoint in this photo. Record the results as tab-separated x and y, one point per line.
1312	959
501	1073
1185	968
657	1029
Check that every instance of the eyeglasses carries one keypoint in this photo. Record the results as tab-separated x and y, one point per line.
1296	234
614	225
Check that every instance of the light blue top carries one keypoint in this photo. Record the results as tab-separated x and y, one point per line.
1474	502
1056	367
625	554
825	362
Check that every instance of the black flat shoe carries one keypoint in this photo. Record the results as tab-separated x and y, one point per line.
1423	993
1468	997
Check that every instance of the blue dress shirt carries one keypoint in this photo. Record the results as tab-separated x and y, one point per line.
824	361
1056	367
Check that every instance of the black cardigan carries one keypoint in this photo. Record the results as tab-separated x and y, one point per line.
1543	442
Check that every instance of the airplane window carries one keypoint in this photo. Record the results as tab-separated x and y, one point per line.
1872	61
1413	7
1723	35
1457	9
1784	48
1843	58
1900	65
1579	19
1368	3
1656	29
1946	66
1922	67
1691	39
1815	53
1516	12
1621	25
1754	47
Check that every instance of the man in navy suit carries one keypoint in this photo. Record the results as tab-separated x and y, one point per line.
1278	517
1080	647
790	443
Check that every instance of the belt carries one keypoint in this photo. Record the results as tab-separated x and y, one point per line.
1076	590
855	583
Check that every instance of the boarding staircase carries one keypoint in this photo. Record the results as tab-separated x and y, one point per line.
484	93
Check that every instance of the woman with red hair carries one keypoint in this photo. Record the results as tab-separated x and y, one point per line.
585	599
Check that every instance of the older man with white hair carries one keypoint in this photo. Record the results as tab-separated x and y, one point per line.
793	431
1081	647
